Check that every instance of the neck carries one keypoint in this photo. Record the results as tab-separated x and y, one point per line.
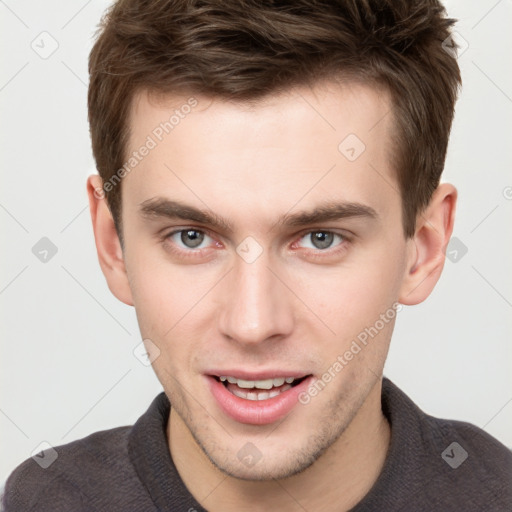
343	475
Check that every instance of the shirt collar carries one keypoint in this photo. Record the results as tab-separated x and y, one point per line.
149	453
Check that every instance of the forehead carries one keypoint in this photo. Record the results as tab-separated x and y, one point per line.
329	105
331	142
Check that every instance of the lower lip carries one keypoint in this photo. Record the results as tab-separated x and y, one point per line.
256	412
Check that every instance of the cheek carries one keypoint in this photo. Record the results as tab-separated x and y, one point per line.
162	293
173	307
161	305
351	298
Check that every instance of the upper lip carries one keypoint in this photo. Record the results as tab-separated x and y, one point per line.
259	375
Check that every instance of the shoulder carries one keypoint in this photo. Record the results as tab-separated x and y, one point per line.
471	467
80	475
442	464
466	443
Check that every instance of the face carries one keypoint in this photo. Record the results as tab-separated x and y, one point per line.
264	250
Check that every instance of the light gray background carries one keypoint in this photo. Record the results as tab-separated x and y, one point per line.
67	366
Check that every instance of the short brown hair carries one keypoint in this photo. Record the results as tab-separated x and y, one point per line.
247	49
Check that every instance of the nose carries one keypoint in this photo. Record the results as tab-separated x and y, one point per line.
256	306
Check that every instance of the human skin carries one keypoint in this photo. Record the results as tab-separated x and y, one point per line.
291	311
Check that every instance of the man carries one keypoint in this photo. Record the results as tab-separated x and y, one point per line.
268	198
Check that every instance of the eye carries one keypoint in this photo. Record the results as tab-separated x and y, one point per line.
320	240
190	239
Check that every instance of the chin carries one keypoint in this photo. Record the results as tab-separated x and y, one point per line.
269	467
267	460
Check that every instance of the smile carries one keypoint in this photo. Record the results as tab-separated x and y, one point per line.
261	400
258	389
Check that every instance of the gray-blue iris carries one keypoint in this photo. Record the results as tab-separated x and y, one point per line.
192	238
322	239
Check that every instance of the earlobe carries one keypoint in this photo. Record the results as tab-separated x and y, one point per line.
427	249
108	246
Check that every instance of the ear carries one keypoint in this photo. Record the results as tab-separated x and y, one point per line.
427	251
108	246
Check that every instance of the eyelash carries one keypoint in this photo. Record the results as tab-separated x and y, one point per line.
318	253
188	252
330	252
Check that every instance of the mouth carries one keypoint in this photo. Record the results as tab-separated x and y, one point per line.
257	399
258	390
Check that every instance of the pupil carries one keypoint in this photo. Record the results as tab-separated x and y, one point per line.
192	238
321	239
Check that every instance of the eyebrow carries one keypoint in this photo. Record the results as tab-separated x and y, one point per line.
329	212
159	207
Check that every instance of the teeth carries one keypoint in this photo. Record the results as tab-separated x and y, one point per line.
258	395
260	384
249	384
